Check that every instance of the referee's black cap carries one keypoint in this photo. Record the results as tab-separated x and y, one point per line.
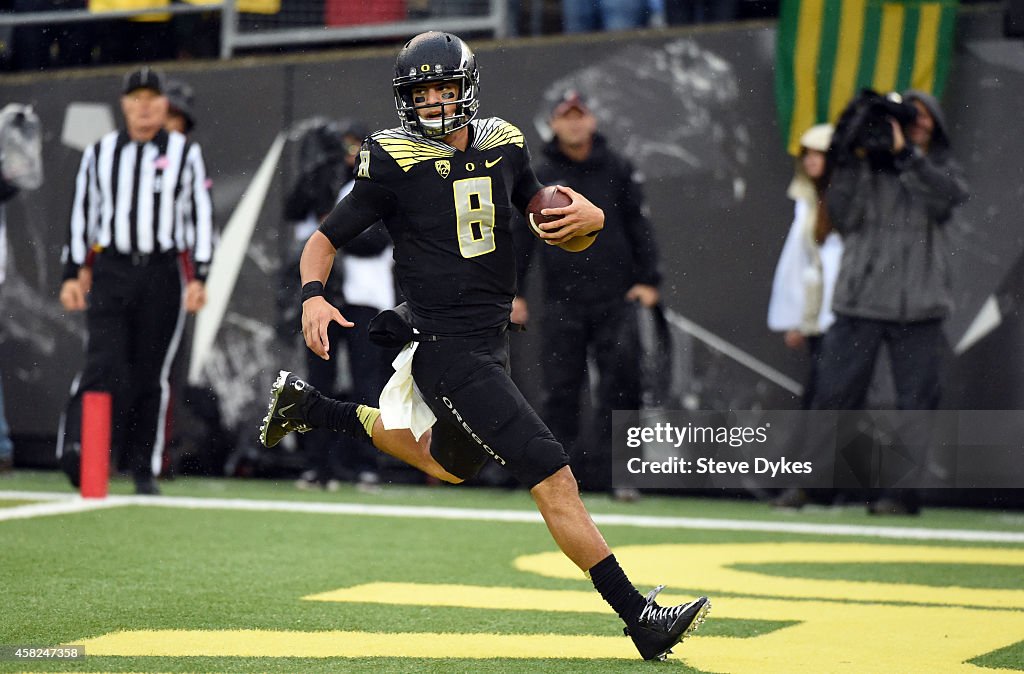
144	78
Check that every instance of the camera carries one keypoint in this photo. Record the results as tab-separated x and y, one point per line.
864	127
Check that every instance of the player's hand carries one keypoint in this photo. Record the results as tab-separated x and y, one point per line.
72	298
195	296
647	296
317	315
579	218
520	311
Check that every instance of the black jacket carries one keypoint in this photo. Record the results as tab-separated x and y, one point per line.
897	259
624	253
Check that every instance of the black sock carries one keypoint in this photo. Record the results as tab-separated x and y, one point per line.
610	580
335	415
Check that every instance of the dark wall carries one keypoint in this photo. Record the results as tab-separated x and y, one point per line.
693	109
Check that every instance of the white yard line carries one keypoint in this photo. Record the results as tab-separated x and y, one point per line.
63	506
65	503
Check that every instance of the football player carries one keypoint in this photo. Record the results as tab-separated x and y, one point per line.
445	184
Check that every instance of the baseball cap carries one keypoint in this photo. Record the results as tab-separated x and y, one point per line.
569	100
143	78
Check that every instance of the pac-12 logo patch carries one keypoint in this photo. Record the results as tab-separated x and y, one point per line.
444	167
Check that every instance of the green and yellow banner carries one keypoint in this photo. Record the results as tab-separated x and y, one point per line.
830	49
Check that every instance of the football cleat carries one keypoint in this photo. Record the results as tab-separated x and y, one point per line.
658	629
289	398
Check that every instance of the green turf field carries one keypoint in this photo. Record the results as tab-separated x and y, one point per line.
194	583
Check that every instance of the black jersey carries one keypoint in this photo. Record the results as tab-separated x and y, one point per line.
449	214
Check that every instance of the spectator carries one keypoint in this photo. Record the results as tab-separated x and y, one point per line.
588	296
192	426
147	37
180	102
805	277
587	16
700	11
21	167
137	295
806	272
891	199
363	284
40	46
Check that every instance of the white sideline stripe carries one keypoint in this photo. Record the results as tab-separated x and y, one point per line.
74	504
53	507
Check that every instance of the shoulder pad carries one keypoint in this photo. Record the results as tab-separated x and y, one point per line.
406	150
493	132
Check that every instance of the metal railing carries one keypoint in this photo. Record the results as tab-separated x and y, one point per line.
242	30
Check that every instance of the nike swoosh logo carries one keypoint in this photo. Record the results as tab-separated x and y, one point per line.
489	164
285	408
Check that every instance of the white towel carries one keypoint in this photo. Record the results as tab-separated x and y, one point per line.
401	405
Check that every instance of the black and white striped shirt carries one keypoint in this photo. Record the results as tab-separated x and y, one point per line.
144	198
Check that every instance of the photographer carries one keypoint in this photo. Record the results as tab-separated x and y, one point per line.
362	283
892	191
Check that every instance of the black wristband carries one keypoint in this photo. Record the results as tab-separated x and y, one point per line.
312	289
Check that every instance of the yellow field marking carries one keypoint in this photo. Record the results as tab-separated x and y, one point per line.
827	634
856	638
828	637
337	644
707	568
503	598
468	596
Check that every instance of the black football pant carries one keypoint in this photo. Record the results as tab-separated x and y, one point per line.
607	332
134	322
482	415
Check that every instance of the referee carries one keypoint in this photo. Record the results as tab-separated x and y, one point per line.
139	250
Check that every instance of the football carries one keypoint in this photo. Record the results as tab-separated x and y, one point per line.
547	197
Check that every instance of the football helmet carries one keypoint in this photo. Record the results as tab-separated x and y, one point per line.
436	57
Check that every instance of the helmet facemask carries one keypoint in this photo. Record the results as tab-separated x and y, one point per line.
465	104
